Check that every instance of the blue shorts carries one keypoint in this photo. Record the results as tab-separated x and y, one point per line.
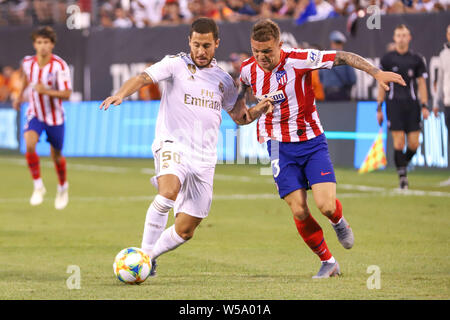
299	165
55	134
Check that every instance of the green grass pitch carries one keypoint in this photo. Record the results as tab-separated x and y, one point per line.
248	247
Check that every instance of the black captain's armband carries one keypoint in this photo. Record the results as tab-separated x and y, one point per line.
379	106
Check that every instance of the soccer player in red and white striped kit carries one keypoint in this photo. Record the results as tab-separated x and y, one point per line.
46	80
295	138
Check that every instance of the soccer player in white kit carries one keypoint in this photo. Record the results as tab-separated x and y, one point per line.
194	90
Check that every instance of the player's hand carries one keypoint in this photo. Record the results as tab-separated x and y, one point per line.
265	105
380	117
436	111
425	113
115	100
384	77
40	88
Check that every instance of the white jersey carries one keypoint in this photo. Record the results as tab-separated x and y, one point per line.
192	99
54	75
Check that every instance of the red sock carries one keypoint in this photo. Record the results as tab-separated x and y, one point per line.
312	234
61	170
337	215
33	164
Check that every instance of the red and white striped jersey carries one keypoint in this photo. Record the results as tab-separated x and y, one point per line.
294	117
54	75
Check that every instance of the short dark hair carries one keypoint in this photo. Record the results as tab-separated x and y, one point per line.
265	30
205	25
44	32
402	26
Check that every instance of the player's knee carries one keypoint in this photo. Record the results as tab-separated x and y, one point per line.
186	234
300	212
169	193
327	208
57	157
400	145
413	145
30	149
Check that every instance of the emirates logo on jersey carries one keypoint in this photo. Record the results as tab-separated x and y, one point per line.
281	77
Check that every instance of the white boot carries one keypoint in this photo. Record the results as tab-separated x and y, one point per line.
62	196
38	196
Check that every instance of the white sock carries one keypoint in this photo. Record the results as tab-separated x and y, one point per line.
335	224
331	260
155	221
63	187
169	240
38	183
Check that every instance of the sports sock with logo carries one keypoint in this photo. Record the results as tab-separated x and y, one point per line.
312	234
155	221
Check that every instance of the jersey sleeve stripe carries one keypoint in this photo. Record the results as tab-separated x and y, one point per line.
328	57
298	55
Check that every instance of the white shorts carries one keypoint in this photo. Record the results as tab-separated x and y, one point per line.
196	180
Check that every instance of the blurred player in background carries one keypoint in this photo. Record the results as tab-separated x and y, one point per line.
47	80
296	143
404	104
194	91
443	81
443	87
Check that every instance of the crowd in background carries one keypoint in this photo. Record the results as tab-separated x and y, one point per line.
329	85
148	13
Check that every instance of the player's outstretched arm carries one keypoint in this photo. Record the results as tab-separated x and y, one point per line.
358	62
128	88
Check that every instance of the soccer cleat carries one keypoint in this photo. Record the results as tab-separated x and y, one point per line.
327	270
404	183
344	233
38	196
62	198
153	269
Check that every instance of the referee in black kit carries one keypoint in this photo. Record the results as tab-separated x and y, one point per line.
404	104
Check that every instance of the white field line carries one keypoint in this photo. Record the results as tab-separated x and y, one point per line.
72	166
249	179
229	197
216	197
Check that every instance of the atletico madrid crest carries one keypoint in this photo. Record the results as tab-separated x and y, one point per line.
281	77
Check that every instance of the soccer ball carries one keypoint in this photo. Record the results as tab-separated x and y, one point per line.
132	265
